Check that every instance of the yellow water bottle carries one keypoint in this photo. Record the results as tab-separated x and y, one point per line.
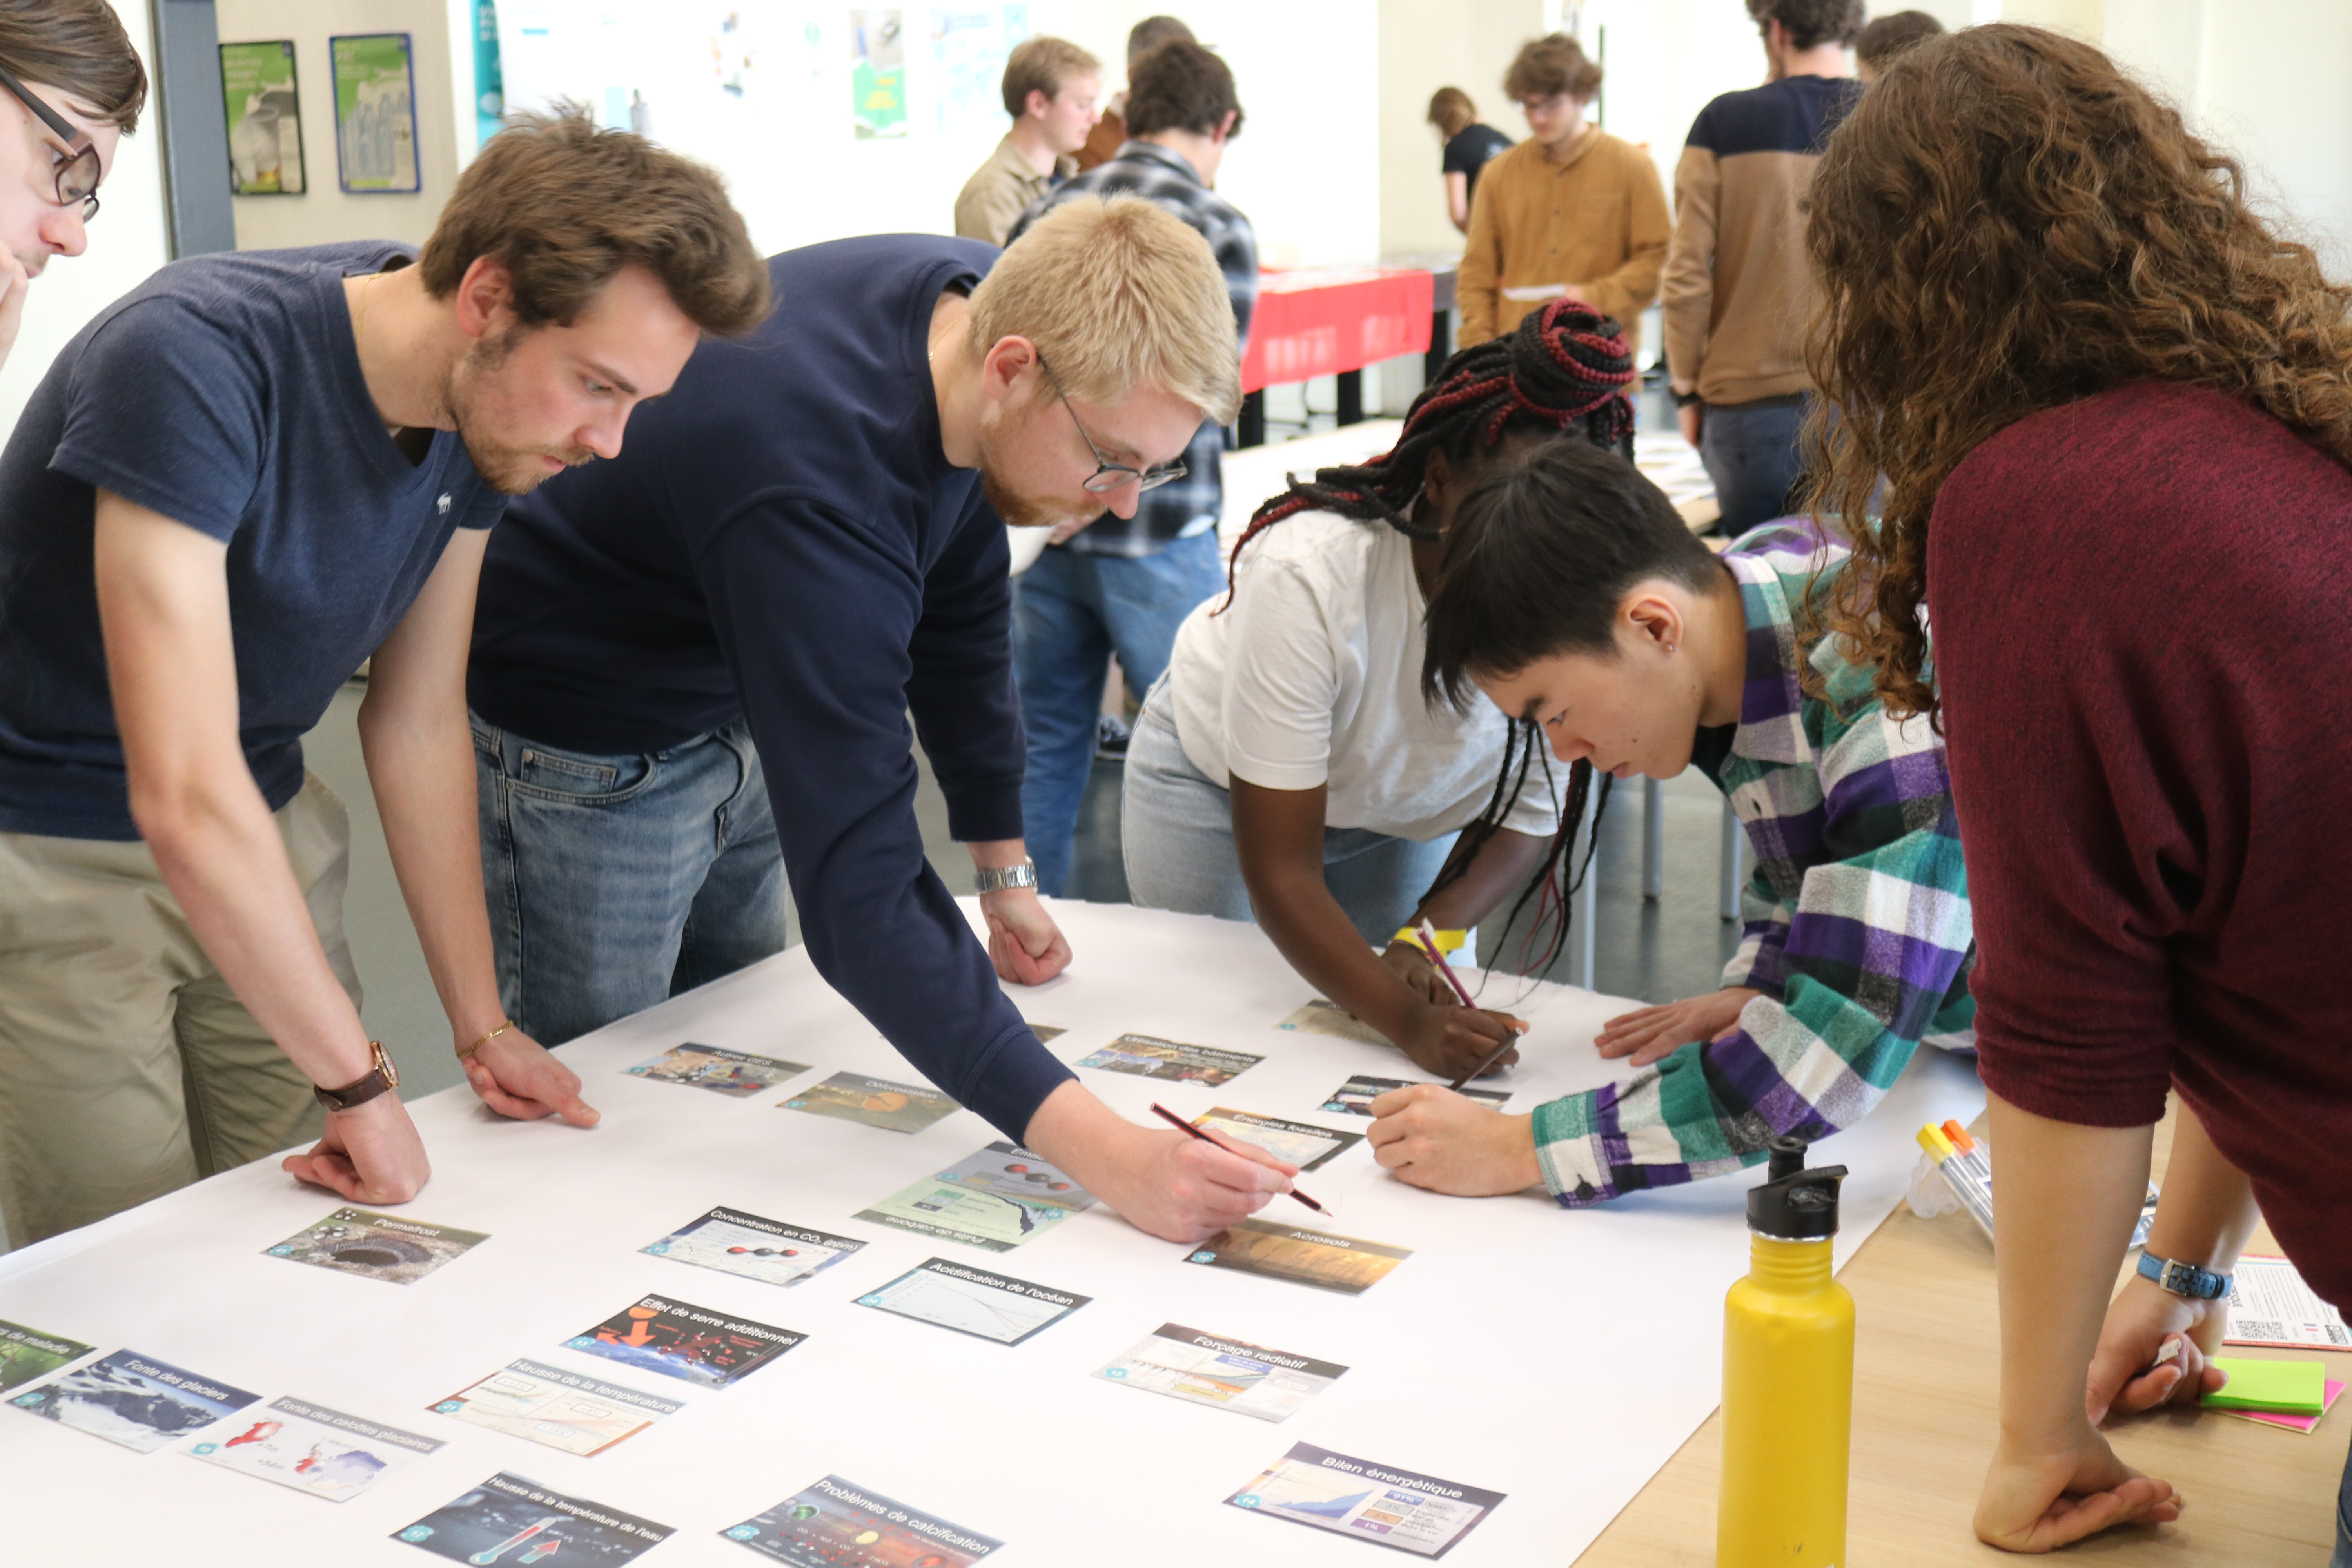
1787	1378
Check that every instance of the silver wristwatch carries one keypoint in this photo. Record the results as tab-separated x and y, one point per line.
998	877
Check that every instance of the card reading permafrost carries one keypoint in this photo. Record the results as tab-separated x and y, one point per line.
310	1448
1147	1055
135	1400
378	1246
876	1102
769	1250
677	1338
736	1074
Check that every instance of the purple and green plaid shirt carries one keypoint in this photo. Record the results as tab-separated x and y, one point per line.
1857	928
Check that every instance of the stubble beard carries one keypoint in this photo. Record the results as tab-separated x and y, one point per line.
470	391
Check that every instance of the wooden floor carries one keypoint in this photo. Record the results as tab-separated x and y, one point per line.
1926	1359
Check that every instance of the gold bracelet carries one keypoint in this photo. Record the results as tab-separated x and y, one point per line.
485	1040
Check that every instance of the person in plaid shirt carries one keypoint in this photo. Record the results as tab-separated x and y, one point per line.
1572	597
1123	586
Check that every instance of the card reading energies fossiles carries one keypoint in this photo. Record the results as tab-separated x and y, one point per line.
1355	1097
1299	1143
973	1302
1403	1509
1231	1374
876	1102
507	1514
694	1344
834	1524
378	1246
135	1400
738	1074
1317	1257
996	1199
310	1448
734	1242
1147	1055
1322	1018
561	1409
28	1354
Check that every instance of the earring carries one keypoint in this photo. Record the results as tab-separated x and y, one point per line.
1670	647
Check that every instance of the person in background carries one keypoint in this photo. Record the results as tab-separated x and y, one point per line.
73	87
1050	89
2109	405
1288	767
1573	597
1737	287
1110	132
1572	213
242	480
1122	584
1889	37
1468	146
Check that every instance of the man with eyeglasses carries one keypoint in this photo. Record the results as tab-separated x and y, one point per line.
693	666
70	87
1115	585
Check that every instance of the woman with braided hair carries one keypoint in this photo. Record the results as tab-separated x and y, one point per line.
1287	765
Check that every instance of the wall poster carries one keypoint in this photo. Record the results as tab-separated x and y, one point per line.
265	120
375	112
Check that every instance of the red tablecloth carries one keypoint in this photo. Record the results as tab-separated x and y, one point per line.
1320	321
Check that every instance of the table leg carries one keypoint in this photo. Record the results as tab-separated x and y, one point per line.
1351	397
1586	910
1654	839
1249	429
1441	346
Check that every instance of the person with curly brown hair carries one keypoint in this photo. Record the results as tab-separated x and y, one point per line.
2112	409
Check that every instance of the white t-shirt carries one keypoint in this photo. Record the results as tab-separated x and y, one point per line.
1313	677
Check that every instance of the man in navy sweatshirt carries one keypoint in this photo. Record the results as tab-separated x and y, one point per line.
692	666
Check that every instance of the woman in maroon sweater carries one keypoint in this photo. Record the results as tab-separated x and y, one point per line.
2114	418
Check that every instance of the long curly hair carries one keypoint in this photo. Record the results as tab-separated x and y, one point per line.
2008	223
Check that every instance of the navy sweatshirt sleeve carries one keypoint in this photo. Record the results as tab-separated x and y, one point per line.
827	707
960	687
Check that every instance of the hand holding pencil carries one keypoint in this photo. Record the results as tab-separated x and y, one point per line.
1456	1038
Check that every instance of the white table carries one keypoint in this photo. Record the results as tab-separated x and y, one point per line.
1557	1357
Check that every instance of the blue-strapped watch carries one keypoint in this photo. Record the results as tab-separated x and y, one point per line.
2183	1279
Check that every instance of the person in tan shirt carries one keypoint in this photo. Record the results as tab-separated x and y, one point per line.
1571	212
1050	90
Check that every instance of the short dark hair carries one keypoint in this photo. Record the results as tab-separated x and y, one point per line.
1179	86
1150	32
1044	64
1887	37
1540	556
1549	66
565	205
1811	24
78	46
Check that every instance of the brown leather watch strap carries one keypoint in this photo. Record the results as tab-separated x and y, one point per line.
379	1078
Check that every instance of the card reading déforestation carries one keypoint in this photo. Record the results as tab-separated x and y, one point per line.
1147	1055
1231	1374
562	1409
996	1199
677	1338
135	1400
28	1354
1403	1509
310	1448
876	1102
973	1302
510	1514
734	1242
1317	1257
1300	1143
1355	1097
1322	1018
833	1523
378	1246
734	1073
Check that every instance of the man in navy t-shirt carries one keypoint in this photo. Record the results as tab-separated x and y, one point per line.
693	666
244	477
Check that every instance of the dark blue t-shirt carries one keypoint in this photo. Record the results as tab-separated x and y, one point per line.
225	393
782	539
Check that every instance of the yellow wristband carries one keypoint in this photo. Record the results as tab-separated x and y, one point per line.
485	1040
1447	940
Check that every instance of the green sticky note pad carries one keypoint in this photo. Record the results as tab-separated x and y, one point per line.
2288	1387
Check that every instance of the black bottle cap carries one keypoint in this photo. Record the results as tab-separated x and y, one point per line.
1795	1204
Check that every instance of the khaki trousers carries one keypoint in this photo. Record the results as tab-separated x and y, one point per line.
127	1068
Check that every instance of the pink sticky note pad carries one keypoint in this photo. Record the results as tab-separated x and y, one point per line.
2293	1423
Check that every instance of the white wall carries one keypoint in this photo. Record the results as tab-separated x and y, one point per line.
1423	46
128	241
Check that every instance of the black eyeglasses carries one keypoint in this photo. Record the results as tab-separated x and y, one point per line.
1108	476
78	171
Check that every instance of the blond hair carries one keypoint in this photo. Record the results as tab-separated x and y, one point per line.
1115	293
1043	65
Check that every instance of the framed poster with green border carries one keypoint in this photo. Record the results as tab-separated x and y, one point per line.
375	112
265	118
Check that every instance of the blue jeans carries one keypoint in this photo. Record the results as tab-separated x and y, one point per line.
1071	613
1751	454
617	881
1176	825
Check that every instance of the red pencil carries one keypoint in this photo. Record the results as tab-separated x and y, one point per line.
1182	1125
